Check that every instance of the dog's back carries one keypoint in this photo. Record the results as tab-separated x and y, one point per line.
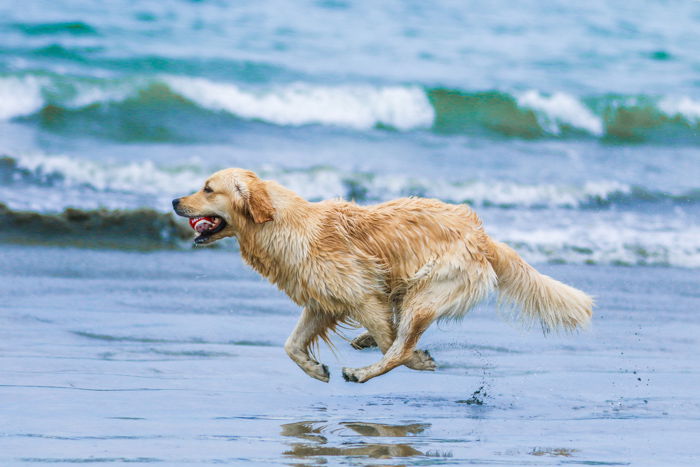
407	233
425	243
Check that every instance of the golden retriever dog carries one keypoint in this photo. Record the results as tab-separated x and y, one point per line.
392	268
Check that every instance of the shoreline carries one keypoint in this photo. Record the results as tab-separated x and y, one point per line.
175	357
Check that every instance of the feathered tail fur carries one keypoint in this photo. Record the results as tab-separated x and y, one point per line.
538	297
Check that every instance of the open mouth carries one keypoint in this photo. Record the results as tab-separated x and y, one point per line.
206	226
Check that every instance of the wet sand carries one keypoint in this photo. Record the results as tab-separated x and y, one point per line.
175	357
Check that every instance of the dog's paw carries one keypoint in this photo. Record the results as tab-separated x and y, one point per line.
422	361
350	375
364	341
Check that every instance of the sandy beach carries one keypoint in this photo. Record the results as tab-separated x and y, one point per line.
175	357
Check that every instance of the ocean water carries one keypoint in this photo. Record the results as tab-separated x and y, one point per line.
573	128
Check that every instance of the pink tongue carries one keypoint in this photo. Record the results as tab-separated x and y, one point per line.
203	225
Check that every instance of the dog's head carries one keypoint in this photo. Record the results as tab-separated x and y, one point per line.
234	198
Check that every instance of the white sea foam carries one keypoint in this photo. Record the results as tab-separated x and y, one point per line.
351	106
85	94
614	241
683	106
359	107
142	182
145	178
561	109
23	96
20	96
328	183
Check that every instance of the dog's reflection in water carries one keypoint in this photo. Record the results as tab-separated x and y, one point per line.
317	433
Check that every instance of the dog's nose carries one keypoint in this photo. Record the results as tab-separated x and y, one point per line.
176	201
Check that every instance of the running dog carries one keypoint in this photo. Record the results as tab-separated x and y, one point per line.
393	268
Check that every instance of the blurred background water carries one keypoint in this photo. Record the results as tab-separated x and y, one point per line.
573	128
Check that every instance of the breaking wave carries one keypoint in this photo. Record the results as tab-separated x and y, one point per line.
147	229
169	107
59	200
533	114
141	229
135	184
607	243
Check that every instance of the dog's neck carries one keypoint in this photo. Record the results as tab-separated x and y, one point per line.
279	249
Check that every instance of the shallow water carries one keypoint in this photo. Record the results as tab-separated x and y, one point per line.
176	357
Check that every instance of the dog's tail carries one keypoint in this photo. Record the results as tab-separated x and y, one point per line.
538	297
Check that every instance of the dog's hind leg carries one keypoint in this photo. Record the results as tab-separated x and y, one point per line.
311	325
421	360
381	332
364	341
402	349
398	346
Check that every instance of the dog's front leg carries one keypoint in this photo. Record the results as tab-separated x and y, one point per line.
310	326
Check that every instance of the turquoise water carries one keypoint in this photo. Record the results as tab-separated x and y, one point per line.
573	128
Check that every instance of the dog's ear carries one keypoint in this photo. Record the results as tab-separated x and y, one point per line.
258	202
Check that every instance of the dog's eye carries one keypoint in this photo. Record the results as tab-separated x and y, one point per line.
206	189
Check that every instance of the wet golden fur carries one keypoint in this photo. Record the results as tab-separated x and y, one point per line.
394	267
